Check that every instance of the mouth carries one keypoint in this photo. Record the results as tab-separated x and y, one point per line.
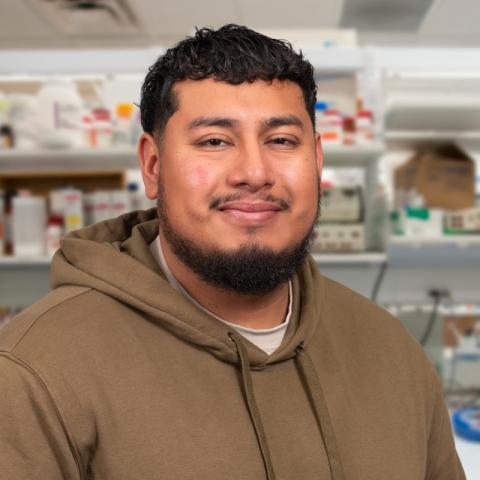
251	213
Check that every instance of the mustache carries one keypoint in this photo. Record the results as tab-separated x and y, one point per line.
217	202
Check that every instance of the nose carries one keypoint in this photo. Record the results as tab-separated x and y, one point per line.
251	170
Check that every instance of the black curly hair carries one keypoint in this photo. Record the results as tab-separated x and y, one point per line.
232	54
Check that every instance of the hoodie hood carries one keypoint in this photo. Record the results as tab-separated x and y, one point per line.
113	257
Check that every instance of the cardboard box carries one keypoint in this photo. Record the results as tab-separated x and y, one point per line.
454	328
444	177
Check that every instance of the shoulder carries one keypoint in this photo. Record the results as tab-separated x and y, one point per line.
368	334
65	324
350	310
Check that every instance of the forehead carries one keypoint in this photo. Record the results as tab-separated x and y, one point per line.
257	99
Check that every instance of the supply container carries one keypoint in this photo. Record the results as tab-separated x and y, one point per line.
119	202
28	225
73	209
53	235
22	111
331	127
102	124
349	131
101	206
122	135
136	198
6	132
365	134
59	114
2	222
320	108
88	203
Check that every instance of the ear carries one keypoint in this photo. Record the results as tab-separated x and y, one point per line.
149	159
319	152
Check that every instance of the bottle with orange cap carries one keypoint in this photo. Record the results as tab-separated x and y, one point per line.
123	124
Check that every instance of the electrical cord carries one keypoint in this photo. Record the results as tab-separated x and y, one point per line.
378	281
437	297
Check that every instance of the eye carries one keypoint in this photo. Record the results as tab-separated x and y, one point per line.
213	142
289	142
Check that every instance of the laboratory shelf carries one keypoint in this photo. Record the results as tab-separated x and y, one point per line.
336	60
449	240
67	160
115	159
449	250
13	261
351	155
350	259
396	139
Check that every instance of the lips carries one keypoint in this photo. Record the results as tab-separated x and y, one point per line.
249	213
259	206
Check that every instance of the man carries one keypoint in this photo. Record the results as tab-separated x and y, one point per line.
205	344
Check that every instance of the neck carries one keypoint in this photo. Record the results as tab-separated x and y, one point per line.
252	311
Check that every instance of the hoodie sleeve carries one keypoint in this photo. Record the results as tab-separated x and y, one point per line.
442	460
33	439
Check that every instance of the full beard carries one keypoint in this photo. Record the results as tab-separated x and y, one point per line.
251	269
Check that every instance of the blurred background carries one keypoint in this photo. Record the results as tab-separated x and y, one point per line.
399	113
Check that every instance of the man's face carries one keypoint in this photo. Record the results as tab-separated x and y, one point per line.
239	165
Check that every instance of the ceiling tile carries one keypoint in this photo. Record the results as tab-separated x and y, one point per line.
453	17
19	19
180	17
276	14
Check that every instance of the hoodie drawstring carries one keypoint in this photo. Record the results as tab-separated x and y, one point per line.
312	386
252	406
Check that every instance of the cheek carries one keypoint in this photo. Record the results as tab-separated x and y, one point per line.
199	177
195	179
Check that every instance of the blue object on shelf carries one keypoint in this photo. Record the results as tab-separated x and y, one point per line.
321	106
466	423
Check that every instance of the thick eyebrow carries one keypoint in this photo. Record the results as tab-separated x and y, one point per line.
283	121
222	122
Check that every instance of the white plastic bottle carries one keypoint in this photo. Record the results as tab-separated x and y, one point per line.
28	225
2	223
119	202
53	235
59	114
73	209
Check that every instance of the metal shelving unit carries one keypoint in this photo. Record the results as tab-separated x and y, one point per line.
352	156
81	160
350	259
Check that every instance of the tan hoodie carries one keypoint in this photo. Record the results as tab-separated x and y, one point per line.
115	375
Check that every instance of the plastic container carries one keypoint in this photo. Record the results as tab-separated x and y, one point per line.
28	225
349	131
59	114
88	208
101	206
136	198
22	111
119	202
2	223
331	127
320	108
73	209
89	136
102	125
6	132
122	135
365	128
53	235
